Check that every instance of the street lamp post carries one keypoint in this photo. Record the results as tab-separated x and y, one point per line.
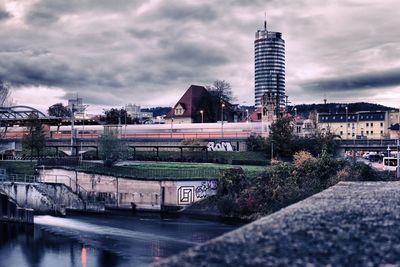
247	115
295	112
388	151
347	122
172	120
202	116
222	119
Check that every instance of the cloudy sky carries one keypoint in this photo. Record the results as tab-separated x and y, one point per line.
149	51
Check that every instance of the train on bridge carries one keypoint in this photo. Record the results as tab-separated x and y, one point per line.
151	131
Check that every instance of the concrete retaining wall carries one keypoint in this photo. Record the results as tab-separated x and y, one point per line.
122	192
28	196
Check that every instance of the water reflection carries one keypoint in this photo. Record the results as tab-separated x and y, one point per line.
83	257
101	240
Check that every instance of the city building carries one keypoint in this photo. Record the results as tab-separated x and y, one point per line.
269	65
198	105
134	111
360	125
76	105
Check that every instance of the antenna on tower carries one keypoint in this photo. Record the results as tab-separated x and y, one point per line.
265	20
325	98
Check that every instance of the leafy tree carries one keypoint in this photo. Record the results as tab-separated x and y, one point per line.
112	148
222	90
59	110
5	94
281	135
257	143
116	116
35	140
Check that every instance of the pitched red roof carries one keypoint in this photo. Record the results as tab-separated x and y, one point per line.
190	101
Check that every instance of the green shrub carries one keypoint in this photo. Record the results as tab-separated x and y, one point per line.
227	205
249	162
232	182
257	143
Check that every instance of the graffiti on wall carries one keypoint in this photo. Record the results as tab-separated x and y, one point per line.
222	146
185	195
192	191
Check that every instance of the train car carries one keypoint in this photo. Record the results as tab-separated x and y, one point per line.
195	130
14	132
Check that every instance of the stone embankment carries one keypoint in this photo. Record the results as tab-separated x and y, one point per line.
350	224
11	212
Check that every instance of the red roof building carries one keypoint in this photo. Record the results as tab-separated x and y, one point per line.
198	105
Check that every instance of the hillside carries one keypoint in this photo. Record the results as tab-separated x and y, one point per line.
304	109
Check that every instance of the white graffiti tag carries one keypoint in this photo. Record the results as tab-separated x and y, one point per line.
223	146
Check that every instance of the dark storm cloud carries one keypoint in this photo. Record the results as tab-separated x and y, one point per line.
49	11
42	68
364	81
4	15
185	11
119	51
193	54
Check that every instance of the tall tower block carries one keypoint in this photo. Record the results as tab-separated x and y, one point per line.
269	65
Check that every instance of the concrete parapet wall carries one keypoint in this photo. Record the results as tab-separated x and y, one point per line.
349	224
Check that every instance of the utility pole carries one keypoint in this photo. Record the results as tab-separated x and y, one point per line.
72	128
222	120
398	144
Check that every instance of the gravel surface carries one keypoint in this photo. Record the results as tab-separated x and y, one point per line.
349	224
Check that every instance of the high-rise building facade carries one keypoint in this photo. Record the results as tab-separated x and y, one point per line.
269	65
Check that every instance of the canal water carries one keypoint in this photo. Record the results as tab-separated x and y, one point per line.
102	240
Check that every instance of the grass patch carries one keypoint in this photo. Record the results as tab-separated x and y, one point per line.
182	168
19	167
198	156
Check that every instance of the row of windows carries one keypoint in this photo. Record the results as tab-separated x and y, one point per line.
352	117
268	79
278	69
268	86
269	60
267	72
263	44
368	124
269	52
362	133
266	83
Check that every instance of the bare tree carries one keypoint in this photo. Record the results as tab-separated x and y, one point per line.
5	94
222	90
